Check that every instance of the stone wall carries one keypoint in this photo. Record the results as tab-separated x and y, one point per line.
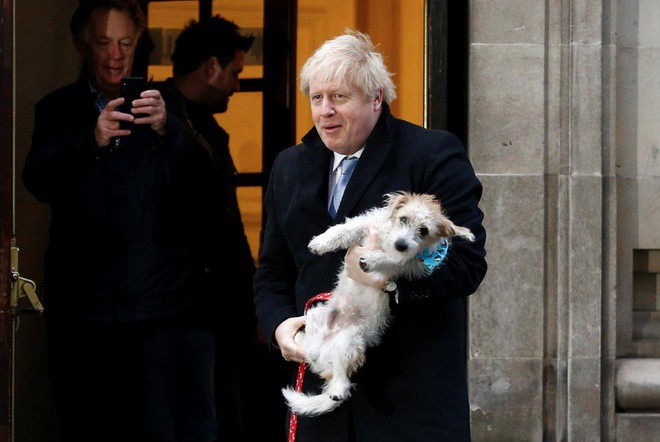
564	134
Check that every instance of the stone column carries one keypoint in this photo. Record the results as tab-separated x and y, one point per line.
535	129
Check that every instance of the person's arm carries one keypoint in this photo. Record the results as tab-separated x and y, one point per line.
450	177
285	334
108	124
61	150
274	280
152	108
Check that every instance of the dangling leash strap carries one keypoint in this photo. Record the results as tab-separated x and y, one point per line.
302	368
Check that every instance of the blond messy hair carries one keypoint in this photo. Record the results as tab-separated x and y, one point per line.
349	59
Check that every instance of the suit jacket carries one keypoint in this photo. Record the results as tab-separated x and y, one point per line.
413	386
118	245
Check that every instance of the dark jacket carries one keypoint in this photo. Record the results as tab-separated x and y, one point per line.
224	266
118	248
413	386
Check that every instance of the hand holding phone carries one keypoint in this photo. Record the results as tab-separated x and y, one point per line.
130	89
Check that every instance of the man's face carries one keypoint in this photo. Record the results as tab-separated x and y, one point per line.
109	51
342	115
224	82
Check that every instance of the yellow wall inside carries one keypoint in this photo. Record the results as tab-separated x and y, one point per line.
395	26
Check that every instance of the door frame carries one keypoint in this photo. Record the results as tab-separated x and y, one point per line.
6	216
446	78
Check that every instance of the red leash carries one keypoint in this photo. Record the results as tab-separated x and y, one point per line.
302	368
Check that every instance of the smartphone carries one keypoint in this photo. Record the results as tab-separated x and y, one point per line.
130	88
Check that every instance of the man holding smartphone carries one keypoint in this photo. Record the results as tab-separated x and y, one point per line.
125	362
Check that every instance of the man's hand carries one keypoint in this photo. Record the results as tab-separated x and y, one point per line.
107	125
352	261
284	335
152	107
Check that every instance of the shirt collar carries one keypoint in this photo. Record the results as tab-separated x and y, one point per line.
100	102
338	157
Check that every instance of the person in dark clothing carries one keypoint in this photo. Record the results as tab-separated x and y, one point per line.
125	361
413	385
207	61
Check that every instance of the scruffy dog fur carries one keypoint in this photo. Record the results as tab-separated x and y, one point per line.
338	332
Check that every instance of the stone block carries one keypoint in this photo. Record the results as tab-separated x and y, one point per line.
506	319
506	399
649	31
586	110
627	109
638	384
627	23
648	102
584	265
637	427
506	121
586	21
584	399
507	21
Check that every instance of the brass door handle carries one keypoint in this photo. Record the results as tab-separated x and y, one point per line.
21	287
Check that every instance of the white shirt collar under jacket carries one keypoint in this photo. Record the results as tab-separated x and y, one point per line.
334	176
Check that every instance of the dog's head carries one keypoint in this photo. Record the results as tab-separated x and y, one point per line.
416	222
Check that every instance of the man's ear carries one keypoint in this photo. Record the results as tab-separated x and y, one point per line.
211	66
378	100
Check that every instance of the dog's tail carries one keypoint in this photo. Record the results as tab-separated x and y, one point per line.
309	405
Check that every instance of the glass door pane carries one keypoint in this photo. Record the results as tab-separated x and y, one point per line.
249	16
243	119
165	22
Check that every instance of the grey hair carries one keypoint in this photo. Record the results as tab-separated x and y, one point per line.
350	58
82	16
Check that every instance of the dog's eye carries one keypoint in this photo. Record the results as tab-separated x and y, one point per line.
403	220
423	231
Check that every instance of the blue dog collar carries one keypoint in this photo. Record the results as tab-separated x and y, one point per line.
432	257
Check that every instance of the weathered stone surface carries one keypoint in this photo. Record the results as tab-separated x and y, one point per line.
506	399
506	102
638	384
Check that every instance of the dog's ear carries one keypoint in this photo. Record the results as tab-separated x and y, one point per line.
445	227
448	229
396	200
432	201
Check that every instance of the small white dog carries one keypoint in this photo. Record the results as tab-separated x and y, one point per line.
338	332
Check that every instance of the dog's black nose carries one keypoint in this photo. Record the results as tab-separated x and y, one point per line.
401	245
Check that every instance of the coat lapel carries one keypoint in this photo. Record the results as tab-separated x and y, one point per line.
314	162
376	150
365	172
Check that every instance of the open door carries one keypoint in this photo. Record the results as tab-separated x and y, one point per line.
13	286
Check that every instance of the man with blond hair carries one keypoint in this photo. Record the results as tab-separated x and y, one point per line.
413	385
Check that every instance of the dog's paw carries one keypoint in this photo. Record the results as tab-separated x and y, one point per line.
463	232
364	265
318	246
369	261
340	393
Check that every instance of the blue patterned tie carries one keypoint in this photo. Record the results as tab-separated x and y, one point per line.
346	166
